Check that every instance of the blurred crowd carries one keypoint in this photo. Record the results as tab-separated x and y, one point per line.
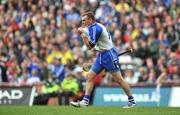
39	43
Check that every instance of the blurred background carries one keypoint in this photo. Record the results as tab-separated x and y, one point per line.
41	54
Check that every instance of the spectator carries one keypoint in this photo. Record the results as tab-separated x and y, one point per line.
153	48
130	75
143	78
57	69
34	78
33	64
174	75
53	51
143	51
70	88
66	53
48	92
152	76
102	12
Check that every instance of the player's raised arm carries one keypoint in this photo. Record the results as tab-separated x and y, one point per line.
84	36
89	32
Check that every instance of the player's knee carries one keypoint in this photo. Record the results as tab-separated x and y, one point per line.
120	80
89	77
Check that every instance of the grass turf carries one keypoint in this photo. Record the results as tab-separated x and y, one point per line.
91	110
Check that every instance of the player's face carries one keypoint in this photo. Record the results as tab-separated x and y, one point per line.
85	21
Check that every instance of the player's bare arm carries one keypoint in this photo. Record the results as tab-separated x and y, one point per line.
84	37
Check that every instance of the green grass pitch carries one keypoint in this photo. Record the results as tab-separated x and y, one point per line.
91	110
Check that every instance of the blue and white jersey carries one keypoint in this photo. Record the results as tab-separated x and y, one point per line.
99	37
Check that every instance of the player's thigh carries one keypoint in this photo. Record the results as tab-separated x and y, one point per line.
97	67
90	75
110	61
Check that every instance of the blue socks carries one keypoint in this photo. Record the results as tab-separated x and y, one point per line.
131	99
86	99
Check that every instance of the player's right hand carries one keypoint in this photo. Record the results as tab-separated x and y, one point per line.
80	30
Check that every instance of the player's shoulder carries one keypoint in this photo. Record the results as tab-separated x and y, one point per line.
96	24
96	28
99	25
